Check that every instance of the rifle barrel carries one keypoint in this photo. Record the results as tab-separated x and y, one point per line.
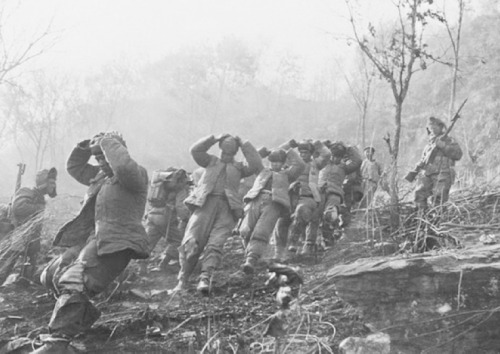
455	117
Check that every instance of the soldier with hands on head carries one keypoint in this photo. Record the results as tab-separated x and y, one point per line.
344	160
315	156
101	240
166	214
268	200
216	205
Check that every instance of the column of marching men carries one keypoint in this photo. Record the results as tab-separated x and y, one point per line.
294	199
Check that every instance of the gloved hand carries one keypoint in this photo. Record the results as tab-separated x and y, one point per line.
293	144
440	143
84	144
221	137
264	152
96	140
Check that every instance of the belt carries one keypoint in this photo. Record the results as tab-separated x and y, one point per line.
217	195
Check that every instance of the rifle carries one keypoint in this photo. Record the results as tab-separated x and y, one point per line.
410	177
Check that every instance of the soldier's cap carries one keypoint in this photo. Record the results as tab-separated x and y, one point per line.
305	145
434	120
338	149
278	155
44	175
370	148
229	145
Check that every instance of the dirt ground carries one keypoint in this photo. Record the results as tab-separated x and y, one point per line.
139	313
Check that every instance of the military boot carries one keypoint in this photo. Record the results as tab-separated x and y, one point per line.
55	345
243	274
203	285
249	266
292	249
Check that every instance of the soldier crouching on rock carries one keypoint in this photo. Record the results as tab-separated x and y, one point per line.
102	239
216	205
29	203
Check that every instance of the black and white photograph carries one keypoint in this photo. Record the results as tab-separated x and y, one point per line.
250	176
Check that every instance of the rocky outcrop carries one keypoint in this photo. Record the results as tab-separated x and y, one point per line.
445	302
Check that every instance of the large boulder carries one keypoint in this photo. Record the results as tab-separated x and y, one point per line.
438	302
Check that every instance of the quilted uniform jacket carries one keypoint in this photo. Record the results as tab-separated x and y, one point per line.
280	180
235	171
113	207
332	176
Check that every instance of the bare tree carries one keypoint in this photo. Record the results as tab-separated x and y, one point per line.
234	65
455	36
361	89
37	109
15	53
395	55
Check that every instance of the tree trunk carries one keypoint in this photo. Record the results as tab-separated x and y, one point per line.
393	182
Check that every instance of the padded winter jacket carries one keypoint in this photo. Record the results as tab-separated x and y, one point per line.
332	176
112	207
443	161
280	180
235	171
27	203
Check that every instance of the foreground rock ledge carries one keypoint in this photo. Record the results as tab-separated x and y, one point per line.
445	302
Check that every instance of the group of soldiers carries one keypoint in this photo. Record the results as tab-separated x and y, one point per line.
304	189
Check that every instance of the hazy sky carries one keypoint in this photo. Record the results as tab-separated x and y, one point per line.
92	32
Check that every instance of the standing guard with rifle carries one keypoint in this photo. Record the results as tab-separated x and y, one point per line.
437	163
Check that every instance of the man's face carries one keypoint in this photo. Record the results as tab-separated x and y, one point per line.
306	155
104	165
435	129
277	166
225	157
369	154
51	187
